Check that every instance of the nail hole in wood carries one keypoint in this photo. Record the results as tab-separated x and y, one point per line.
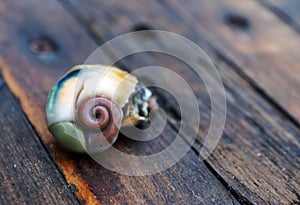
142	27
237	21
42	46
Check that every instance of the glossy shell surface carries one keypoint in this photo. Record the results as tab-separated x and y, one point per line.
86	95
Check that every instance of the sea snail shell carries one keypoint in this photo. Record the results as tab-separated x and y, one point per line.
88	105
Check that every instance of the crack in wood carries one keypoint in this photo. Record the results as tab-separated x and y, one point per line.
1	83
283	16
254	85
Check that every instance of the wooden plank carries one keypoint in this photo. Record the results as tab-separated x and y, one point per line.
258	154
288	11
269	165
187	182
270	61
57	43
27	173
43	68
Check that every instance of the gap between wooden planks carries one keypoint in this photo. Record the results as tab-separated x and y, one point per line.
287	11
270	134
30	76
269	60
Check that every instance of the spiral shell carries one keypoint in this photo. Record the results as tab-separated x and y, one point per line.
99	114
89	104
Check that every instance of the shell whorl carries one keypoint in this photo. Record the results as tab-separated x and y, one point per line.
99	115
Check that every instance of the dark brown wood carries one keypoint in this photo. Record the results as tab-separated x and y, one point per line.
28	175
18	61
187	182
263	145
257	159
42	46
258	154
266	54
237	30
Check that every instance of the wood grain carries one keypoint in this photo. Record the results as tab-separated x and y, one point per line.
288	11
28	175
20	62
187	182
259	151
270	61
58	43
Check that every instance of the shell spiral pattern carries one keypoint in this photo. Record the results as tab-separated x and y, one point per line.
85	107
99	114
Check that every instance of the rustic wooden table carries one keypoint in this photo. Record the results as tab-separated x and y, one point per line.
255	45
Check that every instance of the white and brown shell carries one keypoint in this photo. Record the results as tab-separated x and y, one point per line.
88	105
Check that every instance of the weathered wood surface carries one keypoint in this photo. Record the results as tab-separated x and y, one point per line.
17	62
237	30
257	159
252	124
287	11
59	43
28	174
